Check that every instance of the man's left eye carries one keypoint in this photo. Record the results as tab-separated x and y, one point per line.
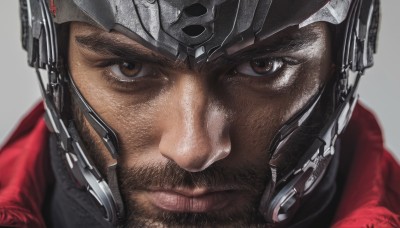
260	67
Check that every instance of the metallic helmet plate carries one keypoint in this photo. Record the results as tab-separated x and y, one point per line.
200	29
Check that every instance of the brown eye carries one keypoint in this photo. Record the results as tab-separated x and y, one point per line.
130	69
260	67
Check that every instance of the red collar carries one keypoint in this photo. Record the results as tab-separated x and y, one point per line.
371	196
25	173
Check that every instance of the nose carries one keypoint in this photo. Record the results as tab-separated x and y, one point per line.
196	133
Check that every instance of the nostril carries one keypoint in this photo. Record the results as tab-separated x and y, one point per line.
195	10
193	30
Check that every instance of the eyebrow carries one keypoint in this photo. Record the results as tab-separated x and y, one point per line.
103	44
289	43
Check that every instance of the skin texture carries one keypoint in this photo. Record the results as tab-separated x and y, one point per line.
195	132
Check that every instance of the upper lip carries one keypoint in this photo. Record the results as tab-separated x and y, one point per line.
193	192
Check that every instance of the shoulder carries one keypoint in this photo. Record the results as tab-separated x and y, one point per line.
371	176
25	172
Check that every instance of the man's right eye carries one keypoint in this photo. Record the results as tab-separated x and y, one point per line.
129	71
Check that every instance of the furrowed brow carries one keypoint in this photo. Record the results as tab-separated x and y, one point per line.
294	42
291	43
101	44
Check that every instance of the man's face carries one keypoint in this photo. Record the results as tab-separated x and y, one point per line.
194	143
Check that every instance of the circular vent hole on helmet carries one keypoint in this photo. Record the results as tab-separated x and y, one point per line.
193	30
195	10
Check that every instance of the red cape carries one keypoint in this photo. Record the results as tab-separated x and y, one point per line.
371	197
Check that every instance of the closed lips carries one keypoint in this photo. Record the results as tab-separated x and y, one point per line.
195	201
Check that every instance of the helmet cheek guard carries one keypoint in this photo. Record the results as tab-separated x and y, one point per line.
40	41
195	30
283	196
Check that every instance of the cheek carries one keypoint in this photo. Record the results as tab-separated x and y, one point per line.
134	121
137	125
258	116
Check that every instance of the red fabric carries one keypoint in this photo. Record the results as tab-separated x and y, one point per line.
371	197
24	173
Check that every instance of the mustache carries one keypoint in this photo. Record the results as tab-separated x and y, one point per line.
216	177
170	175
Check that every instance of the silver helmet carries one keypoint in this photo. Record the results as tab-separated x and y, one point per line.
202	31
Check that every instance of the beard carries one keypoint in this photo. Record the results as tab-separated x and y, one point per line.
249	178
134	180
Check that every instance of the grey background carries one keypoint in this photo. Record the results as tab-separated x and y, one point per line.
379	88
